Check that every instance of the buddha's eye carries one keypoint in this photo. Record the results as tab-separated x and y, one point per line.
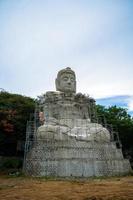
72	79
65	78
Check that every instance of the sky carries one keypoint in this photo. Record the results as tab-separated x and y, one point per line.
93	37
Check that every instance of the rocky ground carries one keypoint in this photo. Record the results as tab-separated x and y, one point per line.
26	188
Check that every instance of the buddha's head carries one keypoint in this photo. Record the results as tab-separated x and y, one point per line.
66	80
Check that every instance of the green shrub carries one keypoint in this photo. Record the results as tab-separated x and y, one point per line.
12	163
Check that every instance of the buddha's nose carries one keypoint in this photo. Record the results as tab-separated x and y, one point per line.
69	81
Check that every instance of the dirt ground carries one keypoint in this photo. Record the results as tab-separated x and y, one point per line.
24	188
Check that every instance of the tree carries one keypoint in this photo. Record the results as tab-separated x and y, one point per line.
14	112
122	122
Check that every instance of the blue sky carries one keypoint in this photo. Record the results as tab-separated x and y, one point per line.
124	101
94	38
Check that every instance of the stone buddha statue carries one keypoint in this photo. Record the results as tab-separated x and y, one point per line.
69	114
69	143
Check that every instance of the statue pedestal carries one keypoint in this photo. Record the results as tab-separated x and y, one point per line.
72	157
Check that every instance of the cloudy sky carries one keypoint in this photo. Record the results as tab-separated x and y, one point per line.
93	37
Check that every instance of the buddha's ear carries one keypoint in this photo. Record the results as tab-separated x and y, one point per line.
57	84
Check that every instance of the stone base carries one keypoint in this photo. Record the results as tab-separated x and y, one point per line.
75	158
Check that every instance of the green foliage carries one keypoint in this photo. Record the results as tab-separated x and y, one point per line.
12	163
121	121
14	112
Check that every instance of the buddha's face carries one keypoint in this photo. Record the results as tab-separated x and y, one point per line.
67	83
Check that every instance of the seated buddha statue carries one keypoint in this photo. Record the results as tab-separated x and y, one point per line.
69	114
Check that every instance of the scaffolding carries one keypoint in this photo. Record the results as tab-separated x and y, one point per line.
72	152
